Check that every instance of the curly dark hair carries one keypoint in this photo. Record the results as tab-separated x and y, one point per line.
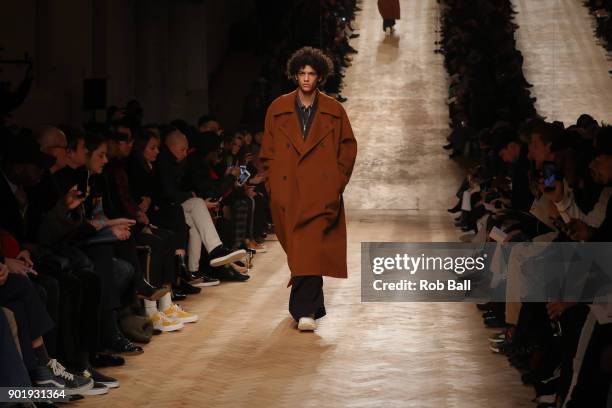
314	57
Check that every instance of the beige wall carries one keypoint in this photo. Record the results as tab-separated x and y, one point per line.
157	51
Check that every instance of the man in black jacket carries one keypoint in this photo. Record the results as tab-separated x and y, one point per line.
201	227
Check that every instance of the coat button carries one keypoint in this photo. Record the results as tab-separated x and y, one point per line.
284	177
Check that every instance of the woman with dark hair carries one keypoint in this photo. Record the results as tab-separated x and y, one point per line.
144	188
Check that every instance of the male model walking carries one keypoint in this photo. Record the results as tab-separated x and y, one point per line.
309	151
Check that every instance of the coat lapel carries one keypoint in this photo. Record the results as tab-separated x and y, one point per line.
321	126
290	127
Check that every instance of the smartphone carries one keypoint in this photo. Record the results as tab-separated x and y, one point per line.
244	176
550	175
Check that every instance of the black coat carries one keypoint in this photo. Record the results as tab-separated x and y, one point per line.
171	176
10	217
144	181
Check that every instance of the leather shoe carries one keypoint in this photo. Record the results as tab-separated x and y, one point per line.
106	360
122	345
455	209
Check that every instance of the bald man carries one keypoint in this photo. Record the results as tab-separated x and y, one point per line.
201	227
53	142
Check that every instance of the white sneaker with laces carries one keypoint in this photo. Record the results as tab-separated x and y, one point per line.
307	324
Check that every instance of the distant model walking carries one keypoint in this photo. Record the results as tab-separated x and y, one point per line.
390	11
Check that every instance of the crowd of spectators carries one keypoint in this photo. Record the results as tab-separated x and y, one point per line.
602	10
105	227
533	181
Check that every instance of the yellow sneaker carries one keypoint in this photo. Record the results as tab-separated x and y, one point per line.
177	312
166	324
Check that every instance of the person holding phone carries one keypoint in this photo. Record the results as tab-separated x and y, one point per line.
309	152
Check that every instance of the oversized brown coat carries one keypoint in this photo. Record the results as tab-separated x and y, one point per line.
305	182
389	9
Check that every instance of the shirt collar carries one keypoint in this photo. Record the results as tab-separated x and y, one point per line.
314	103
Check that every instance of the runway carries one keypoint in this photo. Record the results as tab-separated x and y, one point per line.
245	350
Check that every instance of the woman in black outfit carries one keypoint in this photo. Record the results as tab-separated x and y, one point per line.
145	190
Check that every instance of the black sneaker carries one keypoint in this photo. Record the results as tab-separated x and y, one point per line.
106	360
75	384
222	256
100	378
122	345
229	275
177	295
207	281
188	288
43	376
146	291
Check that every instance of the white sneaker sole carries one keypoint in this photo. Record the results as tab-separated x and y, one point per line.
114	384
174	327
50	383
205	284
96	391
191	319
229	258
79	390
306	325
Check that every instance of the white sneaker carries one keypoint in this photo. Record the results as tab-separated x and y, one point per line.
306	324
165	323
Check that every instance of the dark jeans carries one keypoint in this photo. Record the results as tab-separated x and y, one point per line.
306	297
20	296
12	370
